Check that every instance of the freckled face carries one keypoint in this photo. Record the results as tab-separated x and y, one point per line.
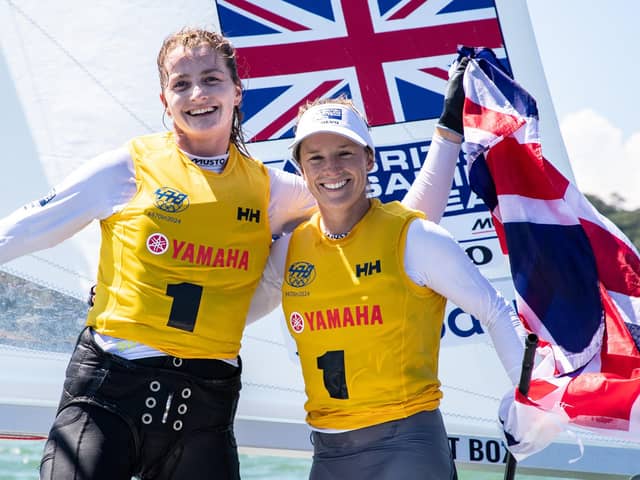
200	97
335	169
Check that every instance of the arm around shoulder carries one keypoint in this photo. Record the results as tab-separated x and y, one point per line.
268	294
290	201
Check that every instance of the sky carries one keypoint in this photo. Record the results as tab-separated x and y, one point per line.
588	51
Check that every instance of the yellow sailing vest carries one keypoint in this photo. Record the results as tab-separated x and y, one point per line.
367	336
179	264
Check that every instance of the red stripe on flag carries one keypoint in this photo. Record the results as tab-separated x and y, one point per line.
619	354
436	72
408	9
269	15
538	389
292	113
618	265
615	397
499	228
481	118
519	169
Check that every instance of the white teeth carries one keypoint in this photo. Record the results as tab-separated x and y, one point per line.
335	186
200	111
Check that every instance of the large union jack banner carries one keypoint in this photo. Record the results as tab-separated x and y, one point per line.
390	56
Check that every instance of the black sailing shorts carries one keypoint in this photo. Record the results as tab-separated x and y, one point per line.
157	418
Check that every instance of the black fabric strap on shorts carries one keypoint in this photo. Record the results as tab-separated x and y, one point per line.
202	368
208	369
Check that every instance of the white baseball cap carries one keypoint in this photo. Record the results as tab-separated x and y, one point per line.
333	118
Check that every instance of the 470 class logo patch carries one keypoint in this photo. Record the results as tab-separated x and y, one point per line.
300	274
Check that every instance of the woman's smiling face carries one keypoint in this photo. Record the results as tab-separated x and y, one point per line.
200	96
335	169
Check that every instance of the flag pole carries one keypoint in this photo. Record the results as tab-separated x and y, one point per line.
530	344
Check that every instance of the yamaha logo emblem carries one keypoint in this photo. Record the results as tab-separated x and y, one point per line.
157	243
297	322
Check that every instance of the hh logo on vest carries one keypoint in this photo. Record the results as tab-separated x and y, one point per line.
368	268
248	215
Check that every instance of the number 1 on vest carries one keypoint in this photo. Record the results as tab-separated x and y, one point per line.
332	366
185	306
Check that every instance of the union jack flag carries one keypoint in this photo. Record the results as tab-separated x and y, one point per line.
576	276
390	56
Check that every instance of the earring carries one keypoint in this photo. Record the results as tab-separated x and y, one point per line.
164	115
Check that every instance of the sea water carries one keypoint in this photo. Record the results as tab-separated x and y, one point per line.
19	460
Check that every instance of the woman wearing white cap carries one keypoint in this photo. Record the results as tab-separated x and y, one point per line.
153	383
363	288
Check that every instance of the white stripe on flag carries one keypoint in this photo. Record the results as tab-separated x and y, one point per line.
517	208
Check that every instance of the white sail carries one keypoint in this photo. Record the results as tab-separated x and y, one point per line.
79	78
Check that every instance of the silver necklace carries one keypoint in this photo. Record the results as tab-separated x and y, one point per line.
335	236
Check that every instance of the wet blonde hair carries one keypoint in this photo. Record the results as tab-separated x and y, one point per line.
192	37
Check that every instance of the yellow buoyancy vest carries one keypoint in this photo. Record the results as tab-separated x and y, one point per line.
368	337
180	262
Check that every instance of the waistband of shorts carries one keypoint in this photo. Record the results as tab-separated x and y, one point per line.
207	369
204	368
420	421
